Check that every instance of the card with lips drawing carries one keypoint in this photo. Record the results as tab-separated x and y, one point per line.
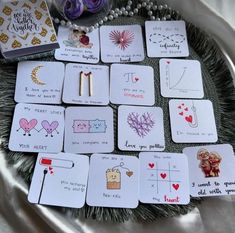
166	39
192	121
140	128
132	84
121	43
164	178
36	82
37	128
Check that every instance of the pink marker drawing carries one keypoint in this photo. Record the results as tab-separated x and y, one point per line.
27	126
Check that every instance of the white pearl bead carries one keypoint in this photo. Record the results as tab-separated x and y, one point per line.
128	8
150	13
136	10
56	20
115	15
160	7
116	10
129	3
164	18
125	13
147	1
111	12
139	6
110	17
101	22
123	9
105	19
120	13
144	4
165	6
151	3
158	19
168	16
148	7
155	7
152	17
131	13
62	22
68	24
91	28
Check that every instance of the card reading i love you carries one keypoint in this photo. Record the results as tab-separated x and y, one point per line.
78	46
192	121
164	178
86	84
37	82
132	84
59	180
181	78
140	128
121	43
166	39
37	128
113	181
88	130
212	170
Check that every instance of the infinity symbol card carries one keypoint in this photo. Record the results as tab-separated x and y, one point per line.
37	128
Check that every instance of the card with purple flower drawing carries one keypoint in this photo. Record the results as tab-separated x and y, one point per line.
140	128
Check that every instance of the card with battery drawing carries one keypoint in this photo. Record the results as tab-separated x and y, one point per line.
59	180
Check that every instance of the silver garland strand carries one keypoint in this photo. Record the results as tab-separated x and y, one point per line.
149	5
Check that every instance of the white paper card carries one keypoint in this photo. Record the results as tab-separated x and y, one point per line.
132	84
60	180
37	128
86	84
89	130
140	128
113	181
166	39
212	170
164	178
78	46
192	121
121	43
37	82
181	78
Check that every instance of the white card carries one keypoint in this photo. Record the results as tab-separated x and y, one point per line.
166	39
37	128
37	82
86	84
132	84
113	181
121	43
78	46
181	78
89	130
60	180
140	129
192	121
212	170
164	178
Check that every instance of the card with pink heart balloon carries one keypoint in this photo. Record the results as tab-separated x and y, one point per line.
37	128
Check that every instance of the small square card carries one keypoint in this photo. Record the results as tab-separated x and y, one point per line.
166	39
192	121
113	181
78	46
212	170
60	180
132	84
164	178
89	130
37	128
121	43
37	82
86	84
140	128
181	78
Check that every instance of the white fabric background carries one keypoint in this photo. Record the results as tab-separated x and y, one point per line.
214	215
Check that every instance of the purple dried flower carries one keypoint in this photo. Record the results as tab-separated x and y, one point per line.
73	8
94	5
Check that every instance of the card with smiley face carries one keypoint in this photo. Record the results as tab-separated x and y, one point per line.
88	130
164	178
192	121
113	181
37	128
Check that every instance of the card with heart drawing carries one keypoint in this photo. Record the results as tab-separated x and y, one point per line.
140	128
37	128
192	121
164	178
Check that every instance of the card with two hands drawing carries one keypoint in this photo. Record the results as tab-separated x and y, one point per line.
37	128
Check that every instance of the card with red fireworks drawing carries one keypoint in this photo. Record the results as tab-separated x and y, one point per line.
140	128
121	43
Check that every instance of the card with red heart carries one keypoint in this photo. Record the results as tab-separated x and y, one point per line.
164	178
59	180
192	121
37	128
132	84
86	84
140	128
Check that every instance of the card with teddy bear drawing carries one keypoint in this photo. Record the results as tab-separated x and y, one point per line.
211	170
113	181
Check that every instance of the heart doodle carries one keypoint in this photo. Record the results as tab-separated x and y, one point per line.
176	186
189	118
50	128
129	173
26	125
141	124
136	79
163	175
181	113
168	62
151	165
